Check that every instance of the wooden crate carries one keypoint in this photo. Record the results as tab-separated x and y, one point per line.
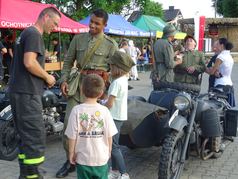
56	66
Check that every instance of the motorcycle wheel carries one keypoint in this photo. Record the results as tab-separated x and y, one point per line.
170	155
9	140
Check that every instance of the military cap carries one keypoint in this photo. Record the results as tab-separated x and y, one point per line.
169	30
122	60
189	37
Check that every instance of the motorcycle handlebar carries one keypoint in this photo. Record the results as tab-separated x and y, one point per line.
158	85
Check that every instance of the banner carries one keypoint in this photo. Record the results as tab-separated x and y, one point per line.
199	27
201	32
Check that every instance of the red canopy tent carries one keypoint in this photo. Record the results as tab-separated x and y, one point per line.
19	14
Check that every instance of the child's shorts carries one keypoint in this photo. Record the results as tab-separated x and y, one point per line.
89	172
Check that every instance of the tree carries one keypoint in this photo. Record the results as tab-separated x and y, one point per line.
230	8
227	8
152	8
79	9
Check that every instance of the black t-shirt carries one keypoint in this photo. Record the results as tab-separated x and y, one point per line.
22	81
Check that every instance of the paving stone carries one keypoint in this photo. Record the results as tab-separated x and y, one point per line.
184	177
195	176
233	176
222	177
224	172
228	167
209	177
210	172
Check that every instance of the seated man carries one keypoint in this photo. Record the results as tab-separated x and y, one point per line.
193	64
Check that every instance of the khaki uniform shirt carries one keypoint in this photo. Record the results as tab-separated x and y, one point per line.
164	59
191	58
79	45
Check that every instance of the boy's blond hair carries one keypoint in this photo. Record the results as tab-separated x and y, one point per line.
92	86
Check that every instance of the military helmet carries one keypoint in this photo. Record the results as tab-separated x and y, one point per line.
169	30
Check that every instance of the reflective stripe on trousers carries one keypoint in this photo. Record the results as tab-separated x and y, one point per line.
32	161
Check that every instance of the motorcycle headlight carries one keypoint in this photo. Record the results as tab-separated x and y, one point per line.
182	101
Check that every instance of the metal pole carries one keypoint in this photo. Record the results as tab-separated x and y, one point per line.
215	8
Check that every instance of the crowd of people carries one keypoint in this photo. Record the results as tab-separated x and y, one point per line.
7	50
96	92
140	55
188	64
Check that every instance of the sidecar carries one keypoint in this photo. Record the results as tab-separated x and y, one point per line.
147	119
145	126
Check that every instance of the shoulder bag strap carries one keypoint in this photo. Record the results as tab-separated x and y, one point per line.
88	54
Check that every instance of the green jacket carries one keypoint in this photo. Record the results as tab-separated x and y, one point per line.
191	58
164	60
78	46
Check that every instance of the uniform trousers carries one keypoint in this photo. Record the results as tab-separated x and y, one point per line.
28	119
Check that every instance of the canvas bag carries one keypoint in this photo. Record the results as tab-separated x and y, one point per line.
75	74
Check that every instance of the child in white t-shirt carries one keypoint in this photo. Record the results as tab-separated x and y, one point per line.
90	130
120	64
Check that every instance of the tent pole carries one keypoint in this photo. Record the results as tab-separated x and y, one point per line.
59	37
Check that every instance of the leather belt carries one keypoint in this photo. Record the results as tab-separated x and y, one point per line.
102	73
90	71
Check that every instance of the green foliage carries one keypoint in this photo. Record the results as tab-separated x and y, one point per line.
58	3
111	6
230	8
219	7
152	8
79	9
227	8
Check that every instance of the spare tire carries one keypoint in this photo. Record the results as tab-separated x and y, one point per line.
160	85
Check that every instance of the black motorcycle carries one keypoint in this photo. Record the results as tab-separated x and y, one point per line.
54	106
180	120
204	123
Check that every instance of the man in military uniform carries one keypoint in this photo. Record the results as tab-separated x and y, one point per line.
193	64
91	52
164	55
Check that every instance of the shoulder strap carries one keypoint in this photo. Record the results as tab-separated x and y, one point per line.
88	54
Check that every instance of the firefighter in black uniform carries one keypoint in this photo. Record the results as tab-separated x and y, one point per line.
26	87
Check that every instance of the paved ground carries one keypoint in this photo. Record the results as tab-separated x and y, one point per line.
143	163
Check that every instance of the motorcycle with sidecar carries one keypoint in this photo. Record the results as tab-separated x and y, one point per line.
180	120
175	117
